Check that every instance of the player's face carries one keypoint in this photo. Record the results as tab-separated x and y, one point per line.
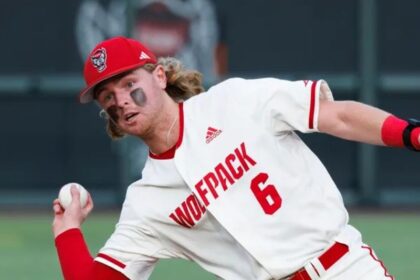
134	100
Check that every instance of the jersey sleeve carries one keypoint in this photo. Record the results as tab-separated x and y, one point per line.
283	105
132	249
295	105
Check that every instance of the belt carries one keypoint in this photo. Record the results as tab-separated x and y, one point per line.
327	259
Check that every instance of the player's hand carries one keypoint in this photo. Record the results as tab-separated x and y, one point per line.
73	216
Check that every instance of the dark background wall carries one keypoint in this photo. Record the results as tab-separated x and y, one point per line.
47	139
269	36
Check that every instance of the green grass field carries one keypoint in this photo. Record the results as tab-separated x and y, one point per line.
27	250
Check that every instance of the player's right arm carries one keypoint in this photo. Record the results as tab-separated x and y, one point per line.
76	261
73	253
128	253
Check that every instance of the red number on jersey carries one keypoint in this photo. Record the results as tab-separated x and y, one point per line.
267	196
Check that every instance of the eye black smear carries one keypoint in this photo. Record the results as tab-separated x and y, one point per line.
138	97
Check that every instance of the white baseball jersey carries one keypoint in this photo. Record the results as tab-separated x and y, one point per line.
242	195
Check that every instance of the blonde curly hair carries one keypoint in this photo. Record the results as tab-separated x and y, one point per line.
181	85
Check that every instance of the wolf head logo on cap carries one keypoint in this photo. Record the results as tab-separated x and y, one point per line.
98	59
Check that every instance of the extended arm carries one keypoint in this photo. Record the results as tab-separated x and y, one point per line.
363	123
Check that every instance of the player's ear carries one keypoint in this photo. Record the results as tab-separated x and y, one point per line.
160	76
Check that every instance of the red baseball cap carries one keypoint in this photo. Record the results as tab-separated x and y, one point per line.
112	57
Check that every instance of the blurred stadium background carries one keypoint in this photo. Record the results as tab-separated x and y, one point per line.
366	49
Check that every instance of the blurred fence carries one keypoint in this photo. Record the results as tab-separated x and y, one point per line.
365	49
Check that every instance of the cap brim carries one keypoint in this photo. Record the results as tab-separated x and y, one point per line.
86	95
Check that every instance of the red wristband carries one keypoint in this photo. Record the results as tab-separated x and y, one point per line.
392	133
415	138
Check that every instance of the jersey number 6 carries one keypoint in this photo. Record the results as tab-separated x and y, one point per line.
267	195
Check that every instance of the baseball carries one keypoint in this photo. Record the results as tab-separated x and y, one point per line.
65	195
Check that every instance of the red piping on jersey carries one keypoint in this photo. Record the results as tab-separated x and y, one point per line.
312	105
171	152
181	125
386	273
165	155
110	259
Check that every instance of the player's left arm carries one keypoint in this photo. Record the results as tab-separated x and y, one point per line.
356	121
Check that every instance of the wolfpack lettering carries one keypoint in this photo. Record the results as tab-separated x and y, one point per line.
212	185
188	212
224	174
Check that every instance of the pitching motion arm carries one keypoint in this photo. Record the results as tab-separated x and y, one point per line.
76	261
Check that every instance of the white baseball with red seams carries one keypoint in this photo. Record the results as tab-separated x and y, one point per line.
65	195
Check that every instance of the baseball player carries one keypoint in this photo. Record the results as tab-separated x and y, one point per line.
228	184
